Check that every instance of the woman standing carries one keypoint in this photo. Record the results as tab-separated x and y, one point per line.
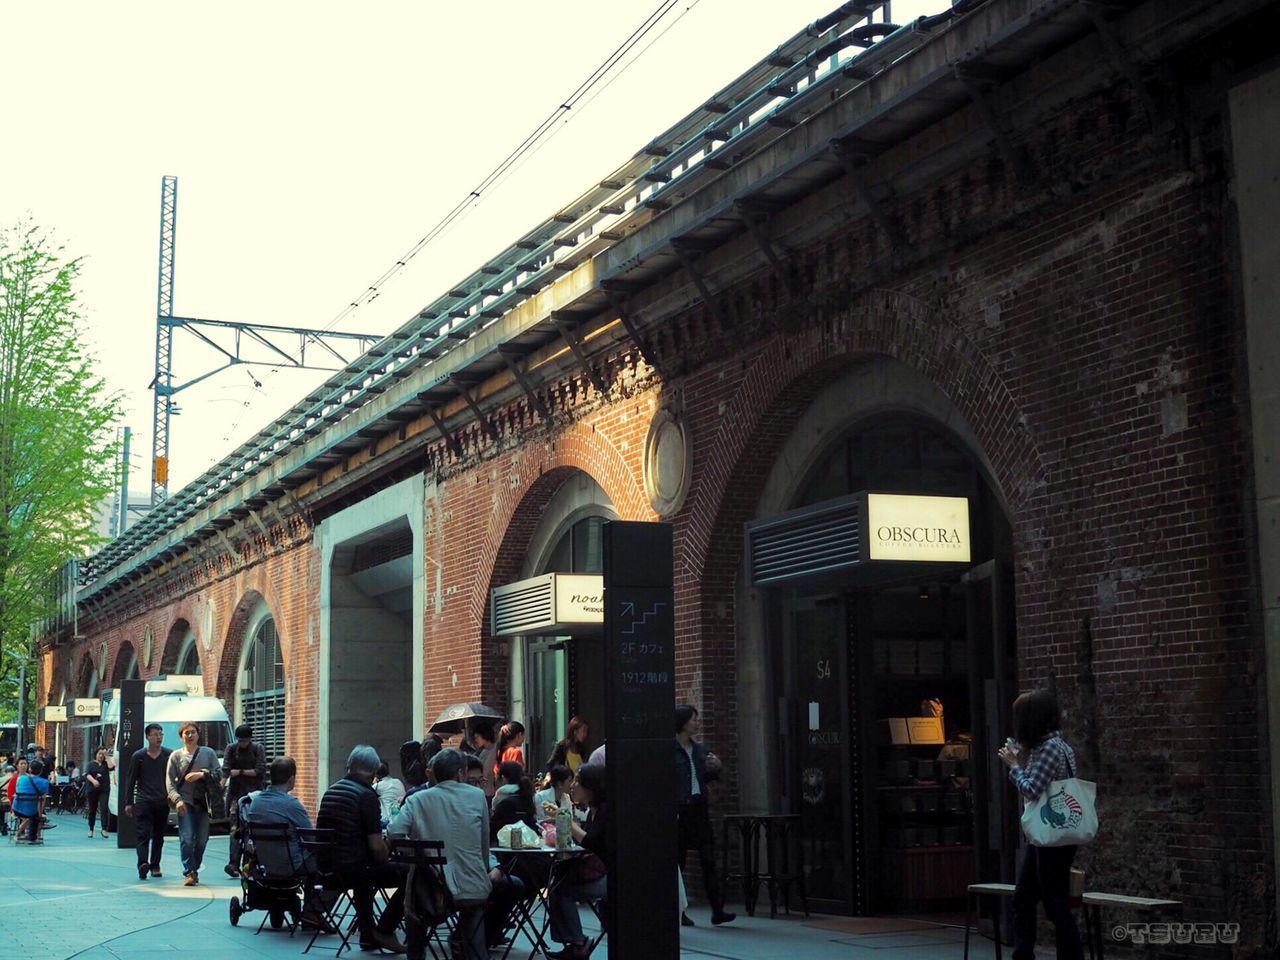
98	777
1036	758
510	746
573	750
696	766
193	771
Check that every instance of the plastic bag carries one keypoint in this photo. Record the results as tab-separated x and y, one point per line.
528	836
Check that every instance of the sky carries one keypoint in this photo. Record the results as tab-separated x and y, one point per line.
314	144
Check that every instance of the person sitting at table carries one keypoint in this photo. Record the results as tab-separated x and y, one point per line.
547	802
350	809
586	880
455	812
514	800
475	773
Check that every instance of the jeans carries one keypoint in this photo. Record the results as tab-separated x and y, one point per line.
193	837
98	805
566	925
694	832
468	936
1045	875
150	818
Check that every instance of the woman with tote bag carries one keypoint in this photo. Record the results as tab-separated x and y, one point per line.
1039	761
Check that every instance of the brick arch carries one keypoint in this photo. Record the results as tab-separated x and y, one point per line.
781	380
541	471
233	644
123	653
83	674
167	662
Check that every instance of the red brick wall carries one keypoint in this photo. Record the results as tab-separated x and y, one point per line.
1083	326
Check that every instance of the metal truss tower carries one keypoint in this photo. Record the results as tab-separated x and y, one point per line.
163	383
264	335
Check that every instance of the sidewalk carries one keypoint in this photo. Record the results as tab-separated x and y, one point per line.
76	897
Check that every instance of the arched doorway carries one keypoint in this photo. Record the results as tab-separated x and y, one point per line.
556	677
260	684
899	811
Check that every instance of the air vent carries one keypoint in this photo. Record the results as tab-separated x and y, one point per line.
523	609
806	543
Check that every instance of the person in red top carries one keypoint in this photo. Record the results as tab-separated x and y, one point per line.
13	782
510	746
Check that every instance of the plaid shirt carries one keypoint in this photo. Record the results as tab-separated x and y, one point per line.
1052	760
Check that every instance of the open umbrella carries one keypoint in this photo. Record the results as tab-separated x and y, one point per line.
454	718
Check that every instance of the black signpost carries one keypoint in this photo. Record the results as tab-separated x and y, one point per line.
639	636
133	699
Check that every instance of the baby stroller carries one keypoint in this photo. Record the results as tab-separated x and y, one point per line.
272	875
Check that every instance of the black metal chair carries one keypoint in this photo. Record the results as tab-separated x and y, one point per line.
322	881
275	876
428	904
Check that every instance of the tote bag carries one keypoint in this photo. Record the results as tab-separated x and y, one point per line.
1065	814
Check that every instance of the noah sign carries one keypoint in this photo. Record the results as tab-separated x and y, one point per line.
928	529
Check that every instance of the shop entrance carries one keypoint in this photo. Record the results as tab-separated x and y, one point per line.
893	677
899	815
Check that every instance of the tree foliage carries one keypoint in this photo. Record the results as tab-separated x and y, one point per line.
57	438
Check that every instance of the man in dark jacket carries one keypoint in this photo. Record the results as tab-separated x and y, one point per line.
695	767
244	768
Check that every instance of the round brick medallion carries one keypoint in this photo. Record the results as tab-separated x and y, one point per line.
668	458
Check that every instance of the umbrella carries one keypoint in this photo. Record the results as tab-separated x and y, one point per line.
454	718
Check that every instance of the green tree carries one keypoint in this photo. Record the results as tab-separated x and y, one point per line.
57	442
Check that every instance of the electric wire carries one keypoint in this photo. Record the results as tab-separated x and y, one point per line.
528	147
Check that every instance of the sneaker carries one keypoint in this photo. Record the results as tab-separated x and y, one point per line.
231	871
686	920
155	872
142	872
190	880
723	917
90	834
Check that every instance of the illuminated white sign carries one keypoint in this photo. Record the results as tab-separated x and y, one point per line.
55	714
579	598
931	529
86	707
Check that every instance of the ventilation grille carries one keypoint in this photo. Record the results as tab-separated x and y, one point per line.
265	713
806	543
523	607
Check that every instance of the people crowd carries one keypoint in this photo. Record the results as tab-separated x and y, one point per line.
479	799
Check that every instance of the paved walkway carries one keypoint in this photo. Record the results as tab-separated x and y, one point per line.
75	897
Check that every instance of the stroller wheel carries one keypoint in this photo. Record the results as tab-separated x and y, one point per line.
236	910
277	919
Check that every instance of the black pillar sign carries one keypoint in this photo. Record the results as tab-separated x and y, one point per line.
133	699
639	634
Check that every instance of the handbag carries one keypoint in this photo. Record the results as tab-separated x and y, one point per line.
1065	814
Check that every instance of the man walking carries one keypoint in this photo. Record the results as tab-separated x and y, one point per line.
147	799
696	766
244	767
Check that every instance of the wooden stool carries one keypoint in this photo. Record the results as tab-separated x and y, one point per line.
997	892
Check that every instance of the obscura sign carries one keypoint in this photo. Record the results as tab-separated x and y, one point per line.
929	529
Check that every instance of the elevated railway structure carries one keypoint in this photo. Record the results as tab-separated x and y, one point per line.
1005	271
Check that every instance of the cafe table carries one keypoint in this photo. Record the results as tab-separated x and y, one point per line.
523	911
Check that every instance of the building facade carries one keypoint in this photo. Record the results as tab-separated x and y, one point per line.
1039	284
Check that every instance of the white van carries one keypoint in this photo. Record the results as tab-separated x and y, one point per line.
170	701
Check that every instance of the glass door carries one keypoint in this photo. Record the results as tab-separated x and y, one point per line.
820	733
548	692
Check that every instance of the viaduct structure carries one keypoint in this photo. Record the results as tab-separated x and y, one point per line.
1022	254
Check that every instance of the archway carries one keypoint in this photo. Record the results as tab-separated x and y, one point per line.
125	666
181	651
556	528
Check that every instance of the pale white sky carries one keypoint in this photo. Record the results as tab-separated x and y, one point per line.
314	143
